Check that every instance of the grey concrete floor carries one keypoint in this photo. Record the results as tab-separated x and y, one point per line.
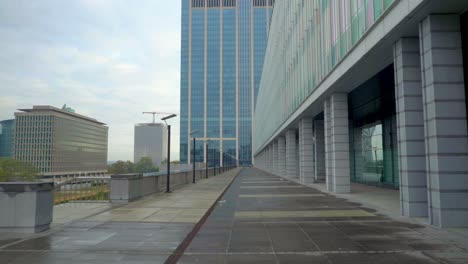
144	231
267	219
261	218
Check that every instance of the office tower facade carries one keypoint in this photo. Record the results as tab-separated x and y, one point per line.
372	92
222	49
7	129
150	141
59	142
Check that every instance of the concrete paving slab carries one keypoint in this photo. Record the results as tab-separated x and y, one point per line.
271	223
278	195
144	231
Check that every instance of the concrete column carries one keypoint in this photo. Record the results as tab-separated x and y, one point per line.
306	152
340	142
410	123
270	157
328	152
275	158
281	156
445	120
291	154
300	149
259	160
264	159
319	150
297	156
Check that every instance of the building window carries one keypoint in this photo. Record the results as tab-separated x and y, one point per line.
260	2
213	3
198	3
229	3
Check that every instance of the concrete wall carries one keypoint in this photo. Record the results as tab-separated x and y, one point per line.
129	187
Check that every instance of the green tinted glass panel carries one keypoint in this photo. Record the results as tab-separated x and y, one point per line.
387	3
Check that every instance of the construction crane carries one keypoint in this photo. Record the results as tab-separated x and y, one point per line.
156	113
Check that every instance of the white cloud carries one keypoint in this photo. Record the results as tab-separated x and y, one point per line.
110	60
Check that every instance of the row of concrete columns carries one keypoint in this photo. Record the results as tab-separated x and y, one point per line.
431	130
317	150
300	153
432	126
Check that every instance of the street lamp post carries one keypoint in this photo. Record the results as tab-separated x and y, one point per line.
194	148
194	161
207	161
168	176
214	161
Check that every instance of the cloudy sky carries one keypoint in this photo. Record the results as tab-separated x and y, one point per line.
108	59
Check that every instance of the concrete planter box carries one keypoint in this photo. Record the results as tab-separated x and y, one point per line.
26	207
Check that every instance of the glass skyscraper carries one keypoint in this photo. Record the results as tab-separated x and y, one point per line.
7	128
223	47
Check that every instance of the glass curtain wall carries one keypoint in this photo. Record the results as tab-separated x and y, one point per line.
373	140
222	52
307	39
245	87
184	82
7	132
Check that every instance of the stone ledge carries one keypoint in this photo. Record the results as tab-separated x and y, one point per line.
18	187
130	176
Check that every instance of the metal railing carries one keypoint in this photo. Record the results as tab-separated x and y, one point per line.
82	189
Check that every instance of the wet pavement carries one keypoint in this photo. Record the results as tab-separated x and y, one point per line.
261	218
266	219
144	231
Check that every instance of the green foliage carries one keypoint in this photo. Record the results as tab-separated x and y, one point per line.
145	165
122	167
15	170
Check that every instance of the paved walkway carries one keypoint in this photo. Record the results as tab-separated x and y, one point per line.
72	211
266	219
145	231
261	218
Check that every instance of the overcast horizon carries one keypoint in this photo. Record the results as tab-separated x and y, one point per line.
107	59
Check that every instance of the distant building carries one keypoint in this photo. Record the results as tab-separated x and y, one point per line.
59	142
150	141
222	49
6	137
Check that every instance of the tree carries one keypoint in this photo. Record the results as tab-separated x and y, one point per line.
16	170
121	167
145	165
130	166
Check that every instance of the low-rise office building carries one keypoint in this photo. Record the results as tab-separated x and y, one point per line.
60	142
370	92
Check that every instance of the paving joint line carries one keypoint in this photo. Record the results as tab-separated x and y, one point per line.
180	250
61	226
232	223
271	243
230	253
314	253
